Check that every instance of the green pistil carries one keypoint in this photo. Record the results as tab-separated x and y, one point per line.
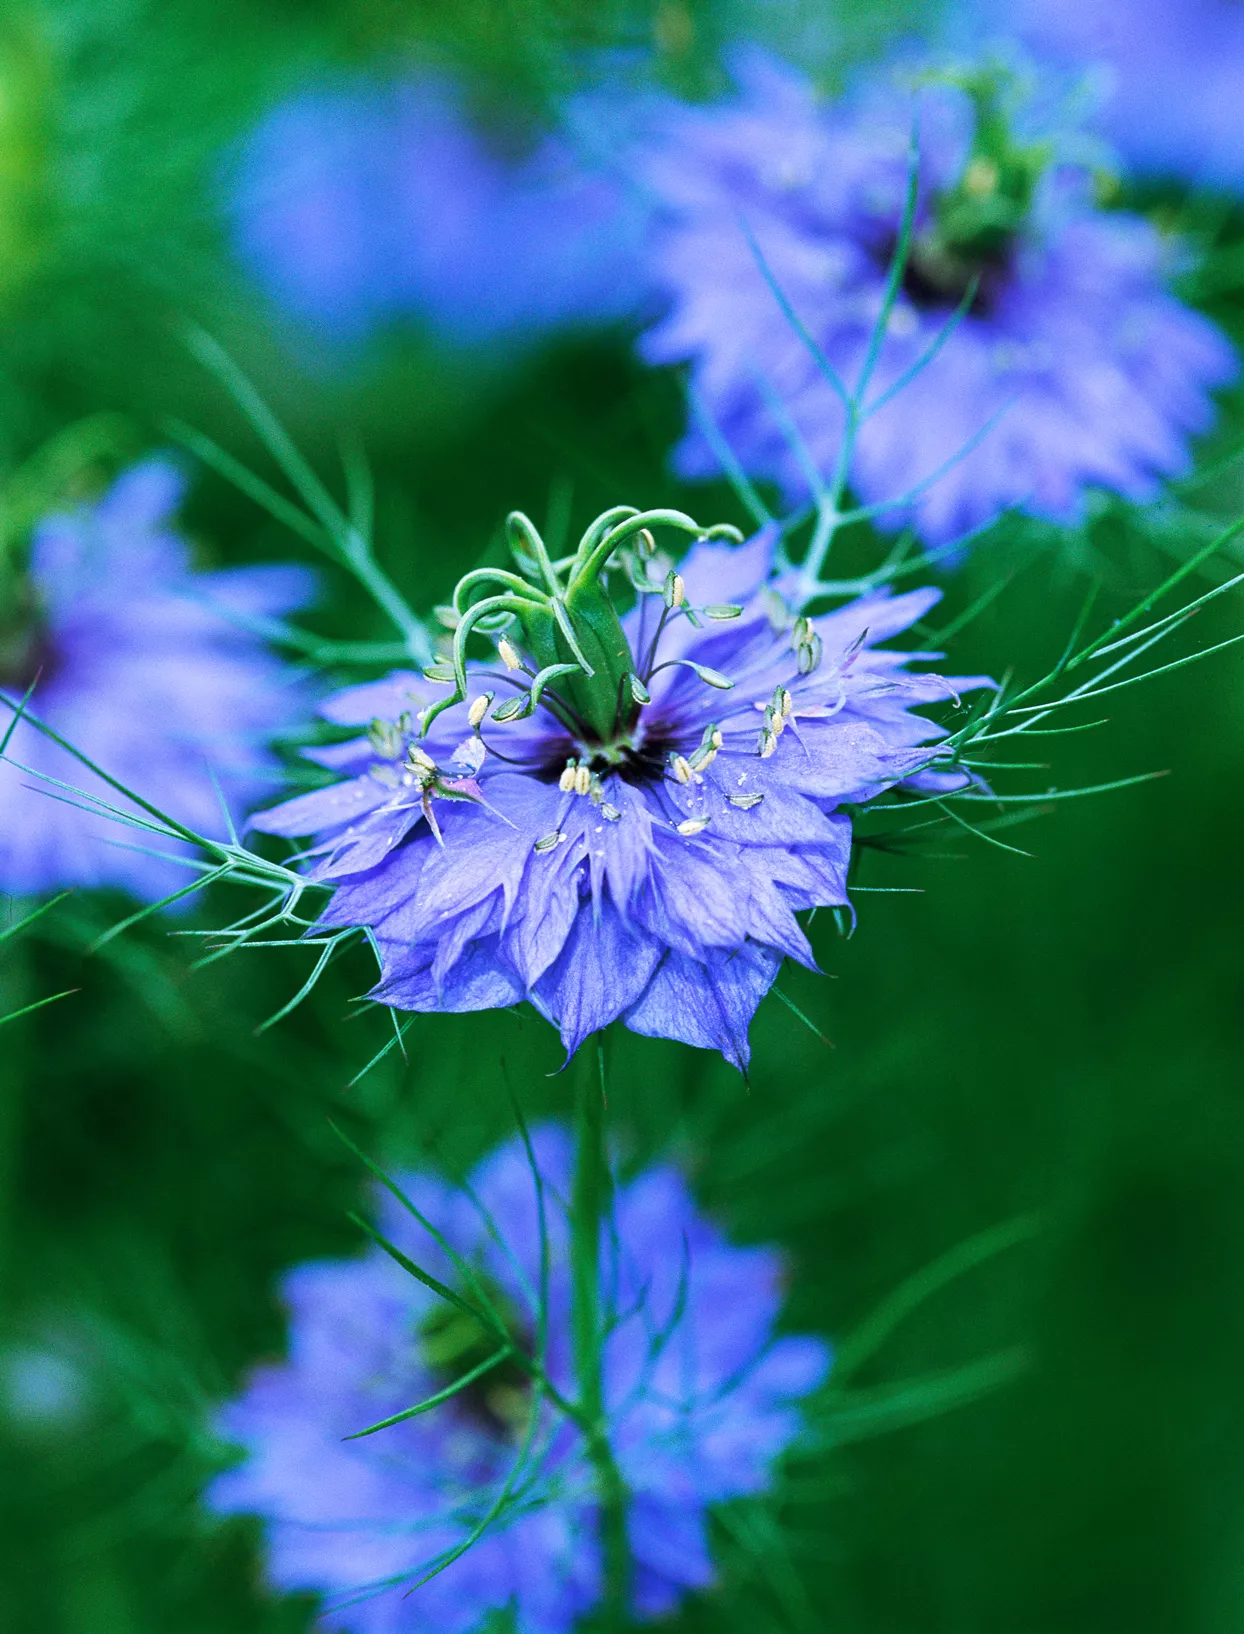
562	628
975	222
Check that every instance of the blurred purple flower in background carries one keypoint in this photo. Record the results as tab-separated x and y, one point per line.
360	204
1071	367
150	670
1171	76
646	866
699	1394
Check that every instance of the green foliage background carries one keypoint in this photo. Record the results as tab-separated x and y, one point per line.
1051	1042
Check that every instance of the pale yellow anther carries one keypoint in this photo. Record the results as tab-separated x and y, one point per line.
678	591
508	654
421	758
784	702
582	780
479	709
692	826
980	178
768	743
702	759
546	842
567	780
645	543
715	738
681	768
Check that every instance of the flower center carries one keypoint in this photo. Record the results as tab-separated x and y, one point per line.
454	1344
964	252
27	652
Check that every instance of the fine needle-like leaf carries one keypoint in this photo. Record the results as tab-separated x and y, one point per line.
861	1345
430	1402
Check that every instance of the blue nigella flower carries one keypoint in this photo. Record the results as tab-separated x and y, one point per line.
364	203
632	829
699	1394
149	669
1072	366
1170	72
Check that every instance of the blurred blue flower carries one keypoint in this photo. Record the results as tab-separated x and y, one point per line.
364	203
1071	368
699	1394
1170	74
647	864
152	671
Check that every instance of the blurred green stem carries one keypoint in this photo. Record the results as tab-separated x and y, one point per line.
15	990
590	1206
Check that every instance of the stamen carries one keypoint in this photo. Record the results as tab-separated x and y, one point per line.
767	744
419	759
479	708
610	813
582	780
745	802
809	654
511	709
566	781
508	654
692	826
675	590
546	842
681	768
386	738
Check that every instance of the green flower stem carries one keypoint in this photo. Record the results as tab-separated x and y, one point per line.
15	995
589	1209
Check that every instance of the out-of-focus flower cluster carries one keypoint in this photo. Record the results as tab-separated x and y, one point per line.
153	671
700	1396
357	205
